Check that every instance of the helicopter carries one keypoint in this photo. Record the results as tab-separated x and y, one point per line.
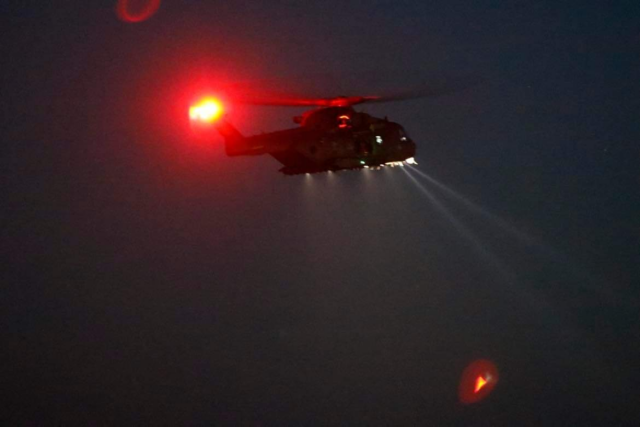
331	137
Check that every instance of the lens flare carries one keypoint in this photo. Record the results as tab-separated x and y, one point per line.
477	381
136	11
206	111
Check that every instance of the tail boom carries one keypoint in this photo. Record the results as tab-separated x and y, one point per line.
237	145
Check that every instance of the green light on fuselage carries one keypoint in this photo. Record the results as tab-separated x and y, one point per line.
362	162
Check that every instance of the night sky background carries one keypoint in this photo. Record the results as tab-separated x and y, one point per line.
148	279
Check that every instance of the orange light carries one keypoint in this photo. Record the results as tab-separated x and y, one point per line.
480	382
477	381
206	111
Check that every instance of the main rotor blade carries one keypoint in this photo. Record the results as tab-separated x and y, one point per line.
280	100
431	91
289	101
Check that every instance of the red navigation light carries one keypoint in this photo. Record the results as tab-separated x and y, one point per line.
206	111
477	382
344	121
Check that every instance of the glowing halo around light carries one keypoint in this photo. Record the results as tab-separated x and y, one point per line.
143	10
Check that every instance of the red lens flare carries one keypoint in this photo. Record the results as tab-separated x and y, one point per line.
477	381
134	11
207	111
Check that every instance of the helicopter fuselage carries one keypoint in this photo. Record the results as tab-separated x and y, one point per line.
329	139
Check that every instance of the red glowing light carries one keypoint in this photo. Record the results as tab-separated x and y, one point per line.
206	111
133	11
477	381
344	121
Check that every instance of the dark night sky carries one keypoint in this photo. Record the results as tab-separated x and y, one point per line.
149	279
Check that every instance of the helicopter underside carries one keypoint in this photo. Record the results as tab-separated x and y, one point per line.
358	142
296	164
